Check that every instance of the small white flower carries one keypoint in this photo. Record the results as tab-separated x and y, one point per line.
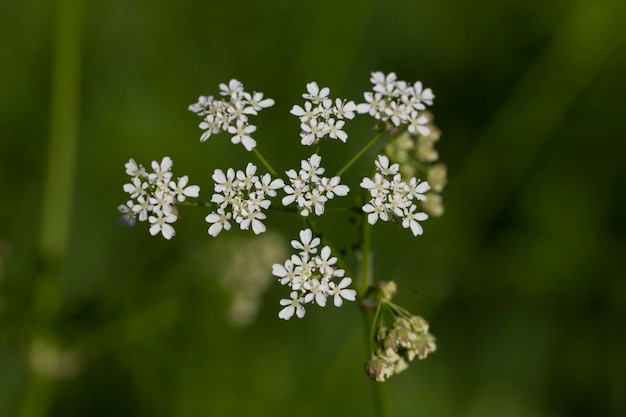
224	183
160	223
241	134
307	244
310	168
382	165
143	207
232	89
293	306
161	170
161	202
285	273
268	186
134	170
211	126
128	216
341	291
344	110
257	102
335	132
315	94
411	220
325	262
305	114
218	221
182	191
375	210
253	218
316	291
136	188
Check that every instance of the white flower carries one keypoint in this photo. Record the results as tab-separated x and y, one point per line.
182	191
344	110
307	243
334	130
305	114
411	220
232	89
268	186
332	187
161	202
316	291
257	102
325	262
142	207
295	192
312	130
310	168
134	170
161	170
315	94
253	218
211	126
341	292
426	95
376	209
285	272
241	134
382	165
218	221
417	124
160	223
293	305
136	188
224	182
128	217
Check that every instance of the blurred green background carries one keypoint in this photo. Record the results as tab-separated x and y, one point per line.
523	279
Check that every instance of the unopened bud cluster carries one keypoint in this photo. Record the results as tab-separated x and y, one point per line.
399	337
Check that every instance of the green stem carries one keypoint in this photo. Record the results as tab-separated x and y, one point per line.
264	161
380	390
360	153
58	197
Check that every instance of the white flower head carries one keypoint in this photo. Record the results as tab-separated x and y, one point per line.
231	113
311	276
309	189
154	195
293	306
392	198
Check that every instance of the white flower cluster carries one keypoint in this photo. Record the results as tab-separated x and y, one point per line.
309	189
241	196
393	198
310	275
320	117
153	196
231	115
397	101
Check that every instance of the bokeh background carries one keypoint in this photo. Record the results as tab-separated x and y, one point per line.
523	279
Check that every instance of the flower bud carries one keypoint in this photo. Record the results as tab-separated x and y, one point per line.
433	206
386	290
378	369
437	177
